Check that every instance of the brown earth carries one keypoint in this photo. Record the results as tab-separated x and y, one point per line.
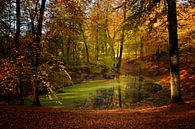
174	116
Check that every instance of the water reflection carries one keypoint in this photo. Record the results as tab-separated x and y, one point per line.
122	94
103	98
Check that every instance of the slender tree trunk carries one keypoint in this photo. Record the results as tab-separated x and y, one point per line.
173	52
34	54
113	38
158	59
87	52
85	44
97	32
73	52
18	23
69	42
97	44
17	45
33	13
106	35
122	41
21	92
120	59
140	70
68	51
86	48
37	47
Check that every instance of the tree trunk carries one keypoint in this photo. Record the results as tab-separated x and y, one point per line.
21	87
85	44
122	41
173	52
36	100
97	32
86	48
68	51
68	45
37	47
158	59
17	45
140	70
73	52
97	44
120	59
18	23
106	36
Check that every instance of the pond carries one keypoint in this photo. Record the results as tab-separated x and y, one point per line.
103	94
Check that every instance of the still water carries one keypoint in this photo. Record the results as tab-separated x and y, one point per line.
104	94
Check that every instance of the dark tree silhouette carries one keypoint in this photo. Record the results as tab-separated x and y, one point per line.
173	52
122	39
17	45
37	52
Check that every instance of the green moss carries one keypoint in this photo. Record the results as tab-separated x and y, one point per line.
74	97
86	94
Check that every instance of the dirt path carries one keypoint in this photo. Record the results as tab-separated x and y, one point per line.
179	116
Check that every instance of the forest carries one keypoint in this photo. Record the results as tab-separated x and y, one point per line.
97	64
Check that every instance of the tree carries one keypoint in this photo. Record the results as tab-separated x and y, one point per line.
140	11
85	43
120	54
18	24
6	30
104	32
17	44
35	62
66	31
173	52
122	39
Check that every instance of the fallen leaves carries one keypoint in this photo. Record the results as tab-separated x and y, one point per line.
170	116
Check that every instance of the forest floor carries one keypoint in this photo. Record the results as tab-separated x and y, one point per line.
172	116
